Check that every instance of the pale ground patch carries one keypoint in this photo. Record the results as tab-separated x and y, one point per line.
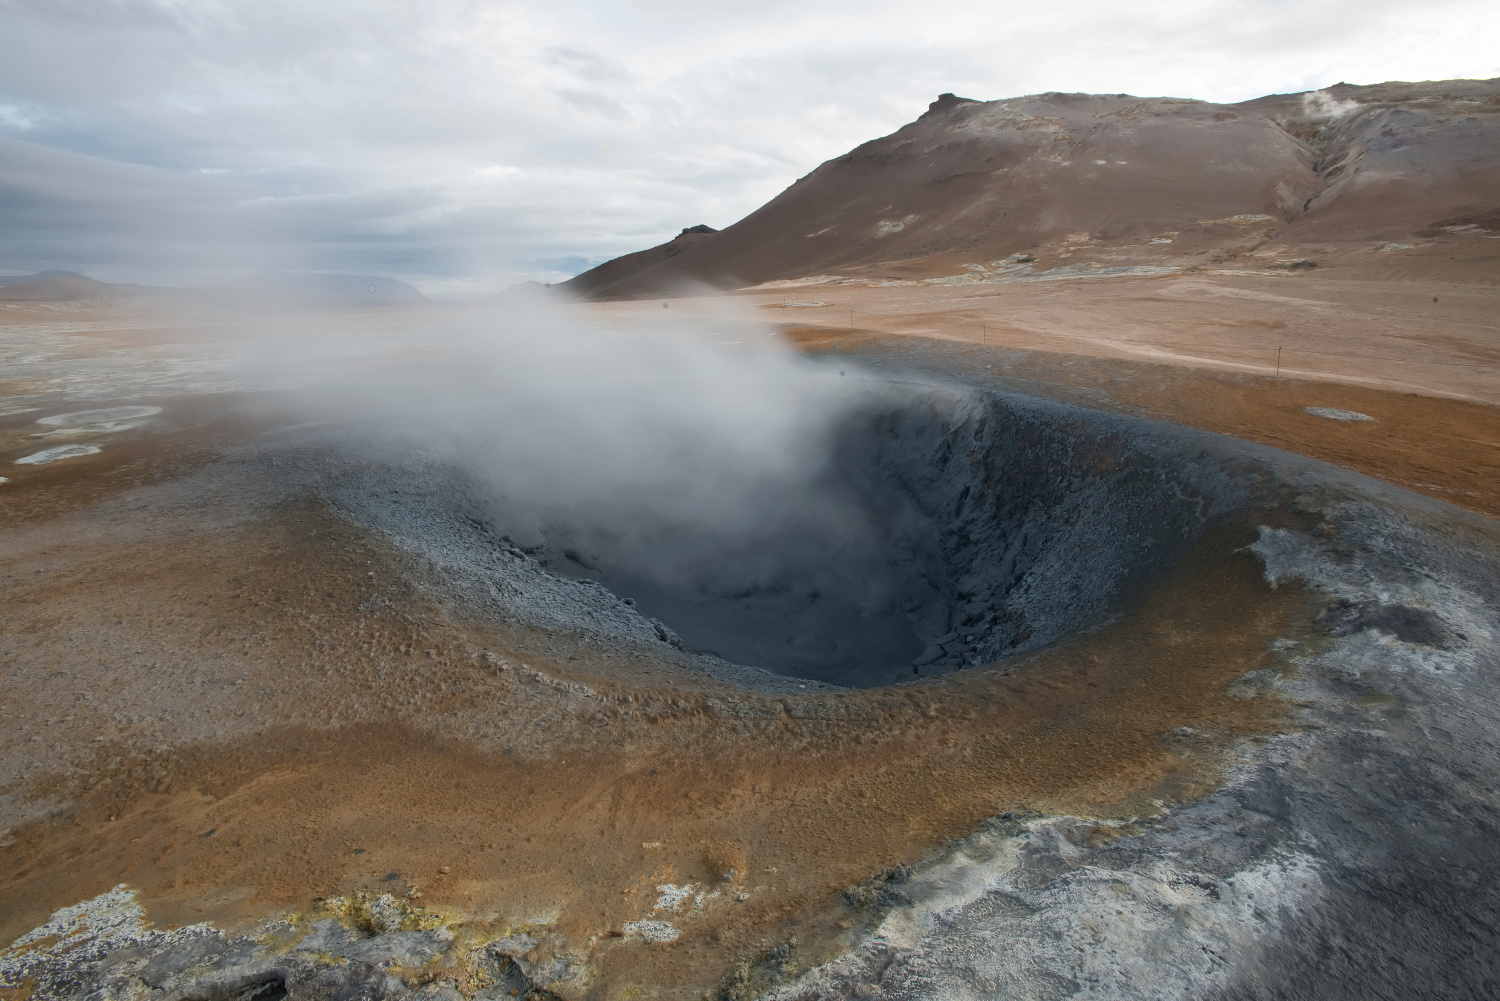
652	931
103	421
57	452
1335	414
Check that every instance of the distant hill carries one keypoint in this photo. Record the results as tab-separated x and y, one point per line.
8	280
281	287
59	286
520	291
980	181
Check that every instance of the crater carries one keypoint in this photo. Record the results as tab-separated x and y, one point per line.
948	530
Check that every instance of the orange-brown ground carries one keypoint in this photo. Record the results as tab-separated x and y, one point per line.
1445	448
311	749
1410	338
171	669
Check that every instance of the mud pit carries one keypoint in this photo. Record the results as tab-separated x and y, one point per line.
964	528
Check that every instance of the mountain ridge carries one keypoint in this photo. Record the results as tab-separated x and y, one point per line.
969	180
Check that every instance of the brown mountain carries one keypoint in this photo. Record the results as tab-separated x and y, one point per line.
1146	178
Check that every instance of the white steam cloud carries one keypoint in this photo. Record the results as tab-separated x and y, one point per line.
1321	104
631	437
685	457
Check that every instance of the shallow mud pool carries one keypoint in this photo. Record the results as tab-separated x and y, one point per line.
1019	699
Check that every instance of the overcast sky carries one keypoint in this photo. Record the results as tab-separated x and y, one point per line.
462	145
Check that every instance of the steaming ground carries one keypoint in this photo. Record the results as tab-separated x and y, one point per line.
304	662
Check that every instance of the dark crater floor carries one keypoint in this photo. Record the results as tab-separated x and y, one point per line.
948	529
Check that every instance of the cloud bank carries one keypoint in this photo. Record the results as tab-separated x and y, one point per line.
462	145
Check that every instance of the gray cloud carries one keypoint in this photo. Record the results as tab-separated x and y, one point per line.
461	139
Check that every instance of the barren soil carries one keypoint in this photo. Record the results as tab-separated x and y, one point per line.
1392	340
218	719
240	709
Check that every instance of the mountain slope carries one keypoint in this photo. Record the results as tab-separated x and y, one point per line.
624	269
971	180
